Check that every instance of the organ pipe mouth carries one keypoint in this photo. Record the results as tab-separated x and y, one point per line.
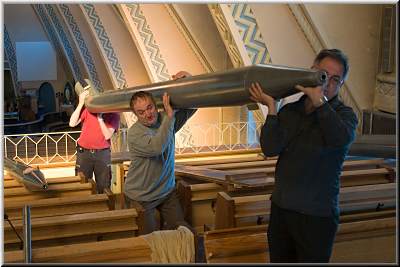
323	77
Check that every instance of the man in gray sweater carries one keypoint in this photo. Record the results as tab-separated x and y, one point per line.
150	182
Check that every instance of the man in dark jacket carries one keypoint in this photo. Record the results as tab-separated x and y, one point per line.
312	137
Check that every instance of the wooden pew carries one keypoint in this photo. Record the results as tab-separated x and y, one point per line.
259	162
361	241
59	180
263	178
59	206
251	210
197	202
198	186
54	190
124	250
74	228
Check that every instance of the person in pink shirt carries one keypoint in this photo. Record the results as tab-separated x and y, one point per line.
93	148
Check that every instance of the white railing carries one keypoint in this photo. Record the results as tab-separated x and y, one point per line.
60	147
41	148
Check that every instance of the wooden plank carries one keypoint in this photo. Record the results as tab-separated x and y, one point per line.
218	160
247	164
371	215
362	164
185	195
261	170
219	153
58	180
351	199
347	178
204	191
57	206
197	201
120	157
244	245
63	226
225	206
125	250
365	226
348	194
236	245
201	173
244	164
229	245
54	190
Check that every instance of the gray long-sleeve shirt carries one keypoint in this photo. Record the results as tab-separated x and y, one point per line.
311	149
152	151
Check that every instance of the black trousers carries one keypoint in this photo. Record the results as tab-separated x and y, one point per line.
97	161
297	237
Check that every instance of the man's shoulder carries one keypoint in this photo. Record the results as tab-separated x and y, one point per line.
135	128
341	105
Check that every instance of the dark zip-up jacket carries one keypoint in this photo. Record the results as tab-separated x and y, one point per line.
312	148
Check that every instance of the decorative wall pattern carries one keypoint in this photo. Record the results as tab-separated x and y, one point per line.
12	59
226	35
47	26
250	33
65	42
247	28
385	93
147	36
82	46
105	42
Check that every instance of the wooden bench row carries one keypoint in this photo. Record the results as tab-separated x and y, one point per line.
72	228
198	198
13	183
263	178
121	250
54	190
362	241
252	210
59	206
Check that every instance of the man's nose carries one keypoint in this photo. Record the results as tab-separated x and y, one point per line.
148	113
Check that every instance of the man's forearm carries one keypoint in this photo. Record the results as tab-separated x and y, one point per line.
107	132
74	120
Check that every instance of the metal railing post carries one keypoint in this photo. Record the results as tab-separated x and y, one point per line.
27	234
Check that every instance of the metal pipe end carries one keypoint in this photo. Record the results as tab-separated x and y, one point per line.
323	76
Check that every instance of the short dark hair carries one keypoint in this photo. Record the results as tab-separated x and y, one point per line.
337	55
141	94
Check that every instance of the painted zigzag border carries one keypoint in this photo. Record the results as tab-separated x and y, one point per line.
12	59
106	44
82	46
149	42
250	33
